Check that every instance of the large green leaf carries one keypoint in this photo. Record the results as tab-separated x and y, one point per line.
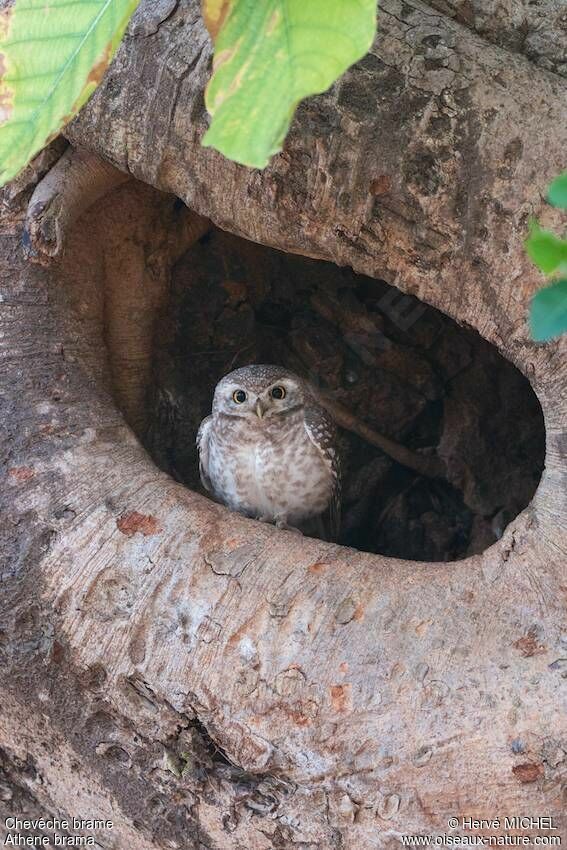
548	314
546	250
557	194
269	55
53	54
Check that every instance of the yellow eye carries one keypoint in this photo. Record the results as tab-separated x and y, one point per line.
239	396
278	393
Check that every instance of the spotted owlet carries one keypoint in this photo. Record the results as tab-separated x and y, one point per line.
268	450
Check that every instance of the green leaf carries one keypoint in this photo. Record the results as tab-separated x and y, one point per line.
269	55
546	250
53	54
557	193
548	313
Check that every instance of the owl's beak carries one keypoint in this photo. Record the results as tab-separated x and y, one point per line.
260	408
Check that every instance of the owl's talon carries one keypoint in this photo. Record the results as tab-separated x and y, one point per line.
282	525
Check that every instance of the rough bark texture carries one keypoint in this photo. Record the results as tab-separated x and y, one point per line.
206	681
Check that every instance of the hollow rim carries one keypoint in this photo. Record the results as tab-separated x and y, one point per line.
335	574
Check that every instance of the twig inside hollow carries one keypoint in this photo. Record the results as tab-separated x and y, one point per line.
431	467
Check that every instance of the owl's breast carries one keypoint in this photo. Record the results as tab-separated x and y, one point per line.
271	477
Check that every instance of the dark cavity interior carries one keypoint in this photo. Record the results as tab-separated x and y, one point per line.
399	367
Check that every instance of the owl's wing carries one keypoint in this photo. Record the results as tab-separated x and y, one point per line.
322	432
203	435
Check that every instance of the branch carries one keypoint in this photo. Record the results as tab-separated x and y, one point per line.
74	184
431	467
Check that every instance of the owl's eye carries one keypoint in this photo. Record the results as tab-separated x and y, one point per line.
239	396
278	393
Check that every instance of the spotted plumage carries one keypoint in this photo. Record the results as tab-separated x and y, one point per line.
268	450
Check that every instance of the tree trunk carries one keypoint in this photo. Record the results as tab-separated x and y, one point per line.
205	681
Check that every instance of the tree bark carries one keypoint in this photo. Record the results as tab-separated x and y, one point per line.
205	681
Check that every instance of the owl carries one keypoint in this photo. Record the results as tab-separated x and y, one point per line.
268	450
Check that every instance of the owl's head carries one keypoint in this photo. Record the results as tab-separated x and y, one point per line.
258	392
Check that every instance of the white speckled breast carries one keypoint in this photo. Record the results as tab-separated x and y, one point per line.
271	470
